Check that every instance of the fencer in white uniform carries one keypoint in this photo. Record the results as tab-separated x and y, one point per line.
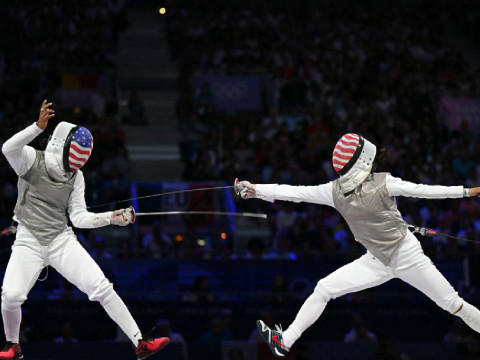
50	185
366	200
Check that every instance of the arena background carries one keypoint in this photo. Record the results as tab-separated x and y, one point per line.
214	90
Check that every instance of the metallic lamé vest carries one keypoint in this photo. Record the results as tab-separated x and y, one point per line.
372	216
42	202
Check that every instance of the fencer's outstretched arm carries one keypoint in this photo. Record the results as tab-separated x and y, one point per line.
398	187
20	156
322	194
319	194
77	208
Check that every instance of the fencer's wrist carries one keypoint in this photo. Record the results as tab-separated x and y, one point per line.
115	217
265	192
108	215
37	128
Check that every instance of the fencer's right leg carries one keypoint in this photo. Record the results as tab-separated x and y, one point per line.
415	268
470	314
26	262
73	262
363	273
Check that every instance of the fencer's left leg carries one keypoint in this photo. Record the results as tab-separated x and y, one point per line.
74	263
363	273
24	267
415	268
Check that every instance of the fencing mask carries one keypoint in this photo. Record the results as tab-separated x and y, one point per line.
352	159
68	149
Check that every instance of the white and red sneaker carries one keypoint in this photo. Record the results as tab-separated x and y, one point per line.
11	351
149	347
274	339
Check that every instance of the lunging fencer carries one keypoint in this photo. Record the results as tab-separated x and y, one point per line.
366	200
50	184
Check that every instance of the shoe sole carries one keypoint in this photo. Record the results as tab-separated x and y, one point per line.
260	329
18	357
147	355
265	337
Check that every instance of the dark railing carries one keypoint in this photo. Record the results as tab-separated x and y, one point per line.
244	350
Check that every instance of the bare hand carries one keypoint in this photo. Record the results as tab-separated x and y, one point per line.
45	114
474	191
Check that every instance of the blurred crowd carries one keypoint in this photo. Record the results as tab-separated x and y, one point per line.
378	69
372	69
375	68
47	40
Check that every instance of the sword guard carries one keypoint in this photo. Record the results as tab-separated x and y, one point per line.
133	214
12	229
236	186
421	230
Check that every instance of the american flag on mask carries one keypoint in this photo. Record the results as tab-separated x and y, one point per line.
80	148
344	150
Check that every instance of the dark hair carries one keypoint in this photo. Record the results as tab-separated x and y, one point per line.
381	160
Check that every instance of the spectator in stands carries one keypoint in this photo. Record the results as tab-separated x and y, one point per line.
65	292
399	69
255	248
386	349
281	251
217	333
99	251
163	329
136	109
359	333
236	353
302	352
200	292
228	321
459	334
157	244
67	334
204	102
31	64
279	293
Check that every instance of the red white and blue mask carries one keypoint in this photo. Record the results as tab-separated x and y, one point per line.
68	149
352	159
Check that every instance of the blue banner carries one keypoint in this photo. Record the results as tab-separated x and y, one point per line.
230	93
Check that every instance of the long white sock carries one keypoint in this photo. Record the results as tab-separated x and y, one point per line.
11	324
471	315
119	313
310	311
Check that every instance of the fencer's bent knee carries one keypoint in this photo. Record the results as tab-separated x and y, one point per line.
101	290
451	302
12	298
321	292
